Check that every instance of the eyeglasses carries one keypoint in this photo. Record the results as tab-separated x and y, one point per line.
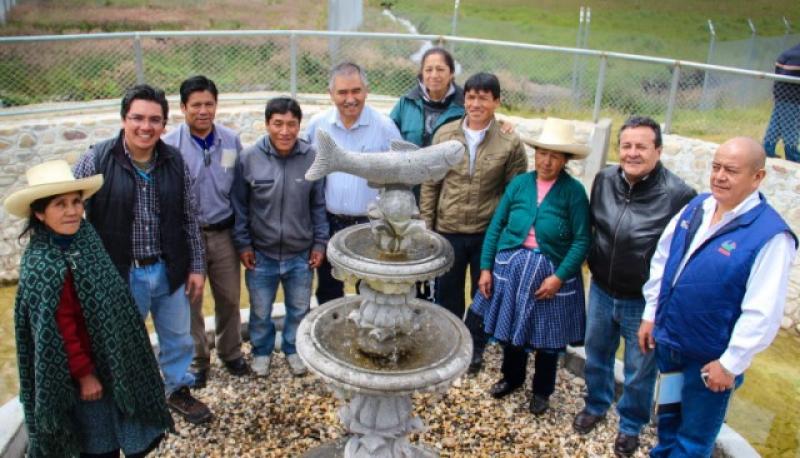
153	121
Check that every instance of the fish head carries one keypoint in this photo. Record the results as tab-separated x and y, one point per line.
453	152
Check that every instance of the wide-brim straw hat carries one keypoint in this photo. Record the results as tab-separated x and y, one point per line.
49	178
559	135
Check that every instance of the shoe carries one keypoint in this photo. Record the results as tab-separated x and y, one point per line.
584	422
237	367
200	377
539	404
502	389
187	406
260	365
476	364
296	365
625	445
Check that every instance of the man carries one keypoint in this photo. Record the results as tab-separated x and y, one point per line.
353	126
631	203
280	231
145	215
461	205
715	295
785	120
210	152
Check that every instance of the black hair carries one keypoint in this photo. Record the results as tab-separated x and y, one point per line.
486	82
642	121
37	206
448	58
283	105
144	92
198	83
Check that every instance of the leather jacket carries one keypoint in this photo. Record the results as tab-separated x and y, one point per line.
627	222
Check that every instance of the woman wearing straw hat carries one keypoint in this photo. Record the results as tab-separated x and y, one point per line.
89	383
530	287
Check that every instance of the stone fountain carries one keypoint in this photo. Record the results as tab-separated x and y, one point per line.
378	347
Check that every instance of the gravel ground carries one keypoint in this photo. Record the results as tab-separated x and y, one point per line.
282	416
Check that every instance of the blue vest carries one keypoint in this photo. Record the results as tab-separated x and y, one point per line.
696	315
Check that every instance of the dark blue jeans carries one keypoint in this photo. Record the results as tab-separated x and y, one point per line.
608	320
450	286
692	430
784	124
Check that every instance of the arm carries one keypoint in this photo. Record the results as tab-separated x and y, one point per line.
84	167
395	114
517	161
428	201
496	226
319	221
197	254
240	199
652	288
579	225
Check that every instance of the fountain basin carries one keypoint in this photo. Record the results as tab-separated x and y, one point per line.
354	256
440	352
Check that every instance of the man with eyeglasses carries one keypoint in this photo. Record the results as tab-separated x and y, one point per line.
145	213
210	151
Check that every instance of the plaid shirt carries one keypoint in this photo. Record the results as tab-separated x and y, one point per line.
146	224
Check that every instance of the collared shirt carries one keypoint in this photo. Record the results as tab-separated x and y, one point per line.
212	182
347	194
146	228
762	305
474	138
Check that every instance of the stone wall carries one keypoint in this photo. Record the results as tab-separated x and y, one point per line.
25	142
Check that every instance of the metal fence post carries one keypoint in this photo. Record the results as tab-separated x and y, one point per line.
787	29
138	61
751	45
293	65
705	98
673	95
584	44
598	91
575	95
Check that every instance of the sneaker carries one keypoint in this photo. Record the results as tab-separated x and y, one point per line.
237	367
296	365
260	365
585	422
187	406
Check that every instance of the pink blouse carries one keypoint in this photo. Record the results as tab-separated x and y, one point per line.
542	188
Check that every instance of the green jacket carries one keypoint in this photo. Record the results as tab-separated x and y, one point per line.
561	222
409	114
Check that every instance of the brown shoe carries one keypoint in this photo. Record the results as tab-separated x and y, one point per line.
625	445
191	409
585	422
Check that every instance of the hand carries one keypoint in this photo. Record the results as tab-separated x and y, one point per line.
194	286
91	389
718	379
645	335
315	259
548	288
248	259
485	283
507	127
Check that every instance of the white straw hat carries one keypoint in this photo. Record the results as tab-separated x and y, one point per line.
49	178
559	135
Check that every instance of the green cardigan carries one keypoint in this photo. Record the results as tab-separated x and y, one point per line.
561	222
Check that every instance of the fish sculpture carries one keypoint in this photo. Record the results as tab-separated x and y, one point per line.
405	163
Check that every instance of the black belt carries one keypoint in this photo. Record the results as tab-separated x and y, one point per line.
348	219
226	223
145	261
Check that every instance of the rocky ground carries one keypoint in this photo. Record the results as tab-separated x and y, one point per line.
282	416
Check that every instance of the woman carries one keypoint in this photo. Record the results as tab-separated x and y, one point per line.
89	383
434	101
530	288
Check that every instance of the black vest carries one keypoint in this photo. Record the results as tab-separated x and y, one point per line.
111	209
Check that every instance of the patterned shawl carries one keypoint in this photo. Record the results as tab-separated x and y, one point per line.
121	351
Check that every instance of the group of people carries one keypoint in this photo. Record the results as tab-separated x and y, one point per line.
694	284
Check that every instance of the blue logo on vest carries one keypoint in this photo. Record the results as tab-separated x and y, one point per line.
726	247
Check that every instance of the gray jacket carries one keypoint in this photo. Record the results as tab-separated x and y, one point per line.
278	212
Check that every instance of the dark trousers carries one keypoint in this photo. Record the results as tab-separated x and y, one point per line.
329	288
545	366
116	454
450	286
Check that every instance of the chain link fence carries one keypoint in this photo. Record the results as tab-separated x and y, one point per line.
692	99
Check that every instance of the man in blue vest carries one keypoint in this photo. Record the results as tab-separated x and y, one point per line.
715	295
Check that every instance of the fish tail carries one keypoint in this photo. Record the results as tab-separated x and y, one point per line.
325	158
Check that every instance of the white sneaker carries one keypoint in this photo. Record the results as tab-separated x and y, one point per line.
260	365
296	366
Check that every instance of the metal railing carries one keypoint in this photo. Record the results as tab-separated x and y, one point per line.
697	99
